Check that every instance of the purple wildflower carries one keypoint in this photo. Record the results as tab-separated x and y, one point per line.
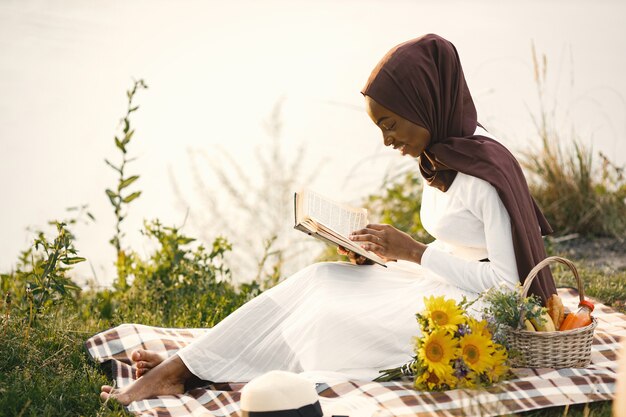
460	368
462	330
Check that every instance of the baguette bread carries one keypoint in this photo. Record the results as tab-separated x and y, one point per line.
556	310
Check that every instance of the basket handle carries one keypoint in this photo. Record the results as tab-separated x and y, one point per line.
535	272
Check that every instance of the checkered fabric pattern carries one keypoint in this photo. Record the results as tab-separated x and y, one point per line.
530	389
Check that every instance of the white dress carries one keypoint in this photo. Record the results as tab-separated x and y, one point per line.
342	321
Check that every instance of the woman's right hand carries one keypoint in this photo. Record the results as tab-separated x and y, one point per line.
354	258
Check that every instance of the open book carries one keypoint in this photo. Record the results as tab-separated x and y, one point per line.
330	221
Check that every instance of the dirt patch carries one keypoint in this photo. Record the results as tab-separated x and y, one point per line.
599	252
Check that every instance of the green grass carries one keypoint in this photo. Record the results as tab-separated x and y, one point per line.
45	371
604	284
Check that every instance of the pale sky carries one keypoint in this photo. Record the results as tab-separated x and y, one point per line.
216	69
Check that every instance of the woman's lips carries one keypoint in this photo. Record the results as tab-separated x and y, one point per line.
402	148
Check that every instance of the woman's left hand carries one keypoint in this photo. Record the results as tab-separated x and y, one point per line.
388	242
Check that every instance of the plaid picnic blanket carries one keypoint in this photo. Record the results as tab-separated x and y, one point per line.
530	389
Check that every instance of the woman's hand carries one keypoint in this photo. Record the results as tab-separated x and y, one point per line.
354	258
388	242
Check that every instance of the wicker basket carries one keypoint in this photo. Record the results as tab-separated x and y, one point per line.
560	349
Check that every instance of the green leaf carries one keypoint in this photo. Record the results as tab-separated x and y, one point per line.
128	181
184	240
131	197
126	125
71	287
60	288
128	136
112	197
113	166
132	109
120	145
72	261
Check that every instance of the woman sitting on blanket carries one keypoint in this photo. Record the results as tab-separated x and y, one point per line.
342	320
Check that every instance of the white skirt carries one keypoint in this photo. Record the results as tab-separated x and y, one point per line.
328	321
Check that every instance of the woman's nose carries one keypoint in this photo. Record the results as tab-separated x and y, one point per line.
387	140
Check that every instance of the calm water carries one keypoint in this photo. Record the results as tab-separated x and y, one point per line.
216	69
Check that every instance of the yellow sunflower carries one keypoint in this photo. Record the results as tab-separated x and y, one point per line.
442	313
437	351
430	381
420	381
500	367
479	327
471	380
477	351
450	380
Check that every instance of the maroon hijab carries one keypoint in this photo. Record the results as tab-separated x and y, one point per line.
422	81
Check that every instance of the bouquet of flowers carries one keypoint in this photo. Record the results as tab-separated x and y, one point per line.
453	351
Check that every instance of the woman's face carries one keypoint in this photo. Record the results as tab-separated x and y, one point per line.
408	137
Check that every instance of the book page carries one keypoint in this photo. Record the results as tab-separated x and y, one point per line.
330	221
341	218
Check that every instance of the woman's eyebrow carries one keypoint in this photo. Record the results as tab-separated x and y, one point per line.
381	119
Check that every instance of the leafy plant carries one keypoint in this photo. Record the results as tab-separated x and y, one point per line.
504	307
40	280
118	197
176	286
50	284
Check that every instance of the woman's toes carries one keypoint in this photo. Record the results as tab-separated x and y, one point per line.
107	395
137	355
153	358
145	360
106	388
142	368
119	396
149	358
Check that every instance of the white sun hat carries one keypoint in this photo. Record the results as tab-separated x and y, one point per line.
286	394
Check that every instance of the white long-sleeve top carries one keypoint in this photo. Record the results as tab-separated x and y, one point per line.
469	223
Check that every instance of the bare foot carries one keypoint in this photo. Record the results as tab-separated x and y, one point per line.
167	378
146	360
